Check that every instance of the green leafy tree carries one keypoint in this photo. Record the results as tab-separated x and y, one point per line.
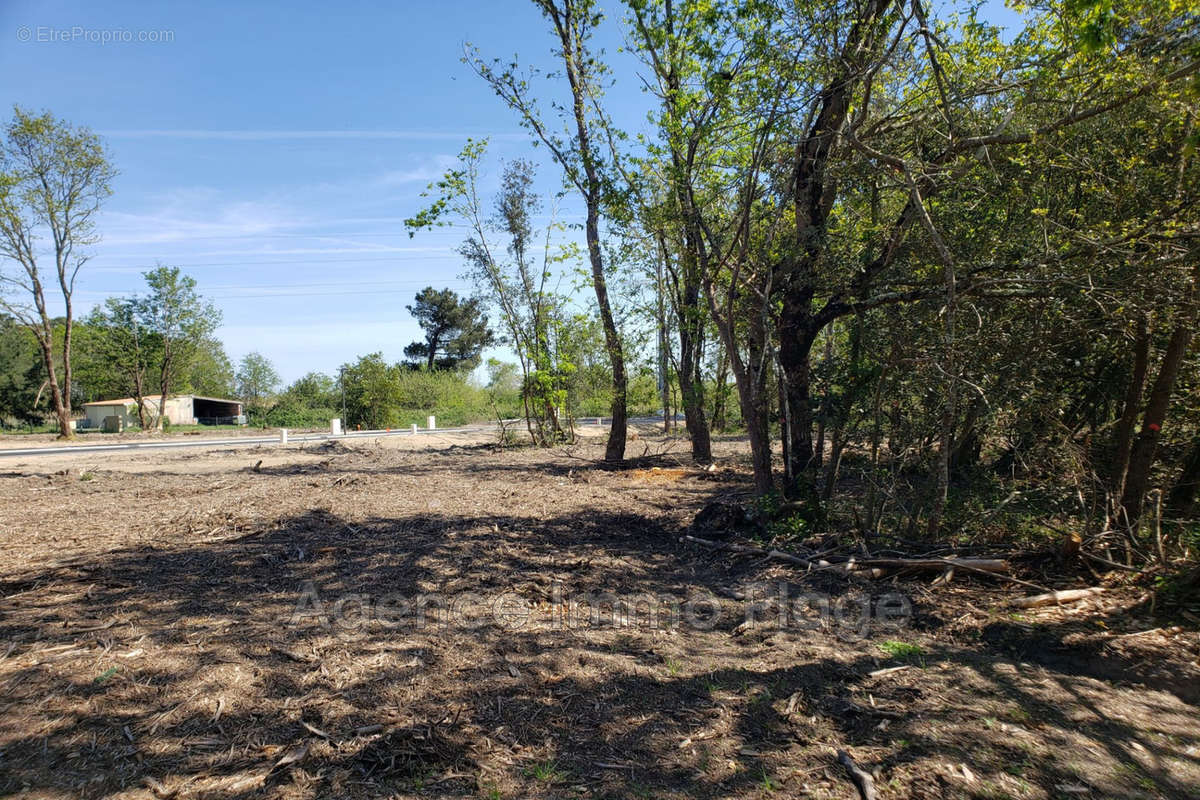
53	178
315	390
514	277
456	330
210	372
577	148
182	319
373	392
22	371
311	401
257	380
121	351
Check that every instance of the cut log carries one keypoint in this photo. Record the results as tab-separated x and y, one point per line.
1057	598
862	779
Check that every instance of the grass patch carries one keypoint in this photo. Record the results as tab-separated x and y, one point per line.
103	677
546	772
905	650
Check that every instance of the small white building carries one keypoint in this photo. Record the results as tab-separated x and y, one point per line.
182	409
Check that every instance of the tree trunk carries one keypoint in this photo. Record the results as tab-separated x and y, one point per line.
660	310
615	449
64	417
967	447
823	416
1132	403
61	410
164	383
754	408
687	300
797	333
592	189
691	391
752	396
835	463
720	419
139	395
1141	455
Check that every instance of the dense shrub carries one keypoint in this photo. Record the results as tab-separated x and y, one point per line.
290	413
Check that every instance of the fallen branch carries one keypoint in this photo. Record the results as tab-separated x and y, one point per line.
995	567
862	779
986	565
887	671
974	564
1057	598
778	555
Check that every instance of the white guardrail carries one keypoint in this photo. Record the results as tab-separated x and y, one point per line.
284	437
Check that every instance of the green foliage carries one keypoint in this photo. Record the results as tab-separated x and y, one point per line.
117	353
181	319
550	341
381	395
456	330
210	372
256	377
310	402
290	412
21	372
103	677
547	772
314	390
257	381
903	650
53	178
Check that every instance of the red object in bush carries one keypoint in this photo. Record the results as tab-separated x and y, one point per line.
1154	426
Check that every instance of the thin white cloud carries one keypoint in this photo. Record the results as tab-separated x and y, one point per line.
434	169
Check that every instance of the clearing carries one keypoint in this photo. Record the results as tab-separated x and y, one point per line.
411	618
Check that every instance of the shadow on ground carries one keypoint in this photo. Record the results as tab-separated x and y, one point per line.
445	654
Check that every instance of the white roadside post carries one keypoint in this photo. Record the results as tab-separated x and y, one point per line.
432	422
283	435
335	426
414	429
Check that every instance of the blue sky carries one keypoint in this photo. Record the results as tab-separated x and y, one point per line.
272	150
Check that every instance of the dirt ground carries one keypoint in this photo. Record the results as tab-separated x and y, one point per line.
440	618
